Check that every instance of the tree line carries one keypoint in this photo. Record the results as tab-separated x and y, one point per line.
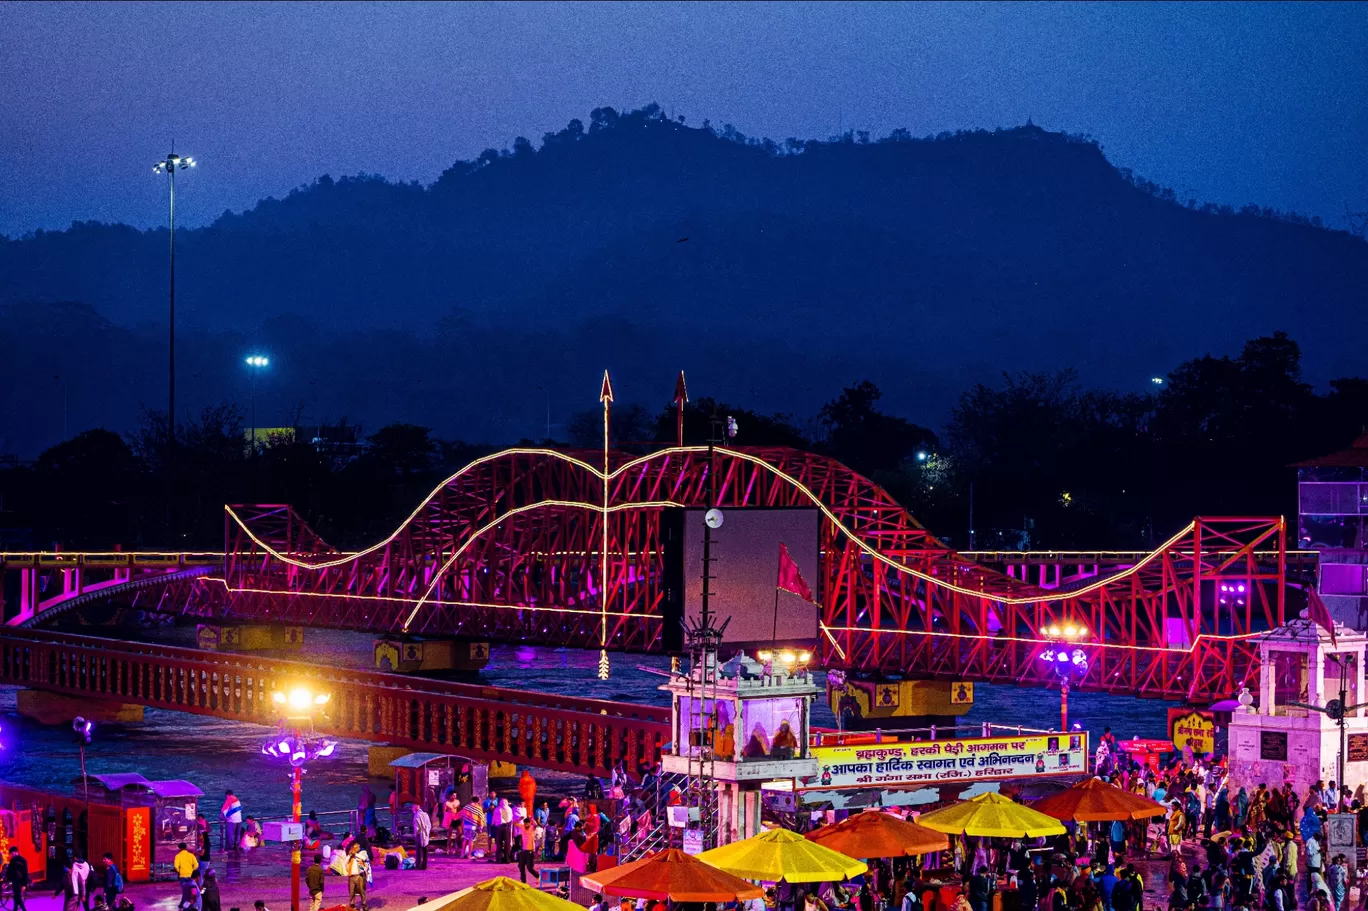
1044	461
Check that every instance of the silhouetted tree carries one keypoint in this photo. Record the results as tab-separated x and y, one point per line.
865	438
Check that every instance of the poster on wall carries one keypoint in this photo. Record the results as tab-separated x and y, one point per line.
1358	748
1193	729
932	761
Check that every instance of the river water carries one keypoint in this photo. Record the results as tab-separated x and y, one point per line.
216	754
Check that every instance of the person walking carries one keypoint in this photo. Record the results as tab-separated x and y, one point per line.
527	855
17	877
356	866
113	881
209	895
980	889
186	865
422	836
503	832
1289	856
80	869
231	815
472	824
1337	879
314	880
70	890
451	821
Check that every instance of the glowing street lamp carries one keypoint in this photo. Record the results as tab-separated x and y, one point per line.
1067	659
169	166
297	743
256	363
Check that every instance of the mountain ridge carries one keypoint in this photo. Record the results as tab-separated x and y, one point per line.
924	264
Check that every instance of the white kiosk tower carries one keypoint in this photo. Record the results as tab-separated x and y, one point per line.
743	723
1283	740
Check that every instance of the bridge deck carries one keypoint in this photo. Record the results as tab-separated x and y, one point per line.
566	733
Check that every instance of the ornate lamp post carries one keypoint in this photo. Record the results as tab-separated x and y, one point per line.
297	743
1067	659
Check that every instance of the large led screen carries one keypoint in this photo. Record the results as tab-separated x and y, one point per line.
745	570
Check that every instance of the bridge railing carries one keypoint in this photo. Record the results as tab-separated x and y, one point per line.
570	734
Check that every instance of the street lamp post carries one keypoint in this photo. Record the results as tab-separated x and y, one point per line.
1068	660
298	743
82	729
256	363
169	166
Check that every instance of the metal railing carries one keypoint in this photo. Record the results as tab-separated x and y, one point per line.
571	734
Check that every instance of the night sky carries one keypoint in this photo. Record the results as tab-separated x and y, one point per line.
1231	103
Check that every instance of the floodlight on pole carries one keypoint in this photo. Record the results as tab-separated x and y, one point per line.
1067	659
169	166
256	363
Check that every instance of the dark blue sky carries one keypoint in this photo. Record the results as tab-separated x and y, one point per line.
1232	103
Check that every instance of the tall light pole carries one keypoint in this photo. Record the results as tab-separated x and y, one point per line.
169	166
1068	661
256	363
297	743
82	729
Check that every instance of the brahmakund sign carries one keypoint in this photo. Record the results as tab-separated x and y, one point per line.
934	761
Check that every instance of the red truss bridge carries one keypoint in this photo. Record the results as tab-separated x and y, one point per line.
547	547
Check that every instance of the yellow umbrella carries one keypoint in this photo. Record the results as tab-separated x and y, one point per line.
498	894
783	855
990	815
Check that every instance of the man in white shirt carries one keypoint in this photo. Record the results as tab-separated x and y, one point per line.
422	836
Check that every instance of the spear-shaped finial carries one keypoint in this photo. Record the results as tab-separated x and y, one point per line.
681	396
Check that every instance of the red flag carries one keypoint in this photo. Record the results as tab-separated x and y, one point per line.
790	579
1318	612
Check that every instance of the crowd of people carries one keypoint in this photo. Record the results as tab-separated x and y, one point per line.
1256	849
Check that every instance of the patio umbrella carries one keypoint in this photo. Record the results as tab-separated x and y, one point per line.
1095	800
499	894
671	874
878	834
783	855
993	816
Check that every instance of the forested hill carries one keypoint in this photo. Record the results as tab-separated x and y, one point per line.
649	245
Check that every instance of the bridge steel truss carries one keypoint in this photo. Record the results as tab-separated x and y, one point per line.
585	736
509	549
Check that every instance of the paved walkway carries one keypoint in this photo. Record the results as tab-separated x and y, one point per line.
265	875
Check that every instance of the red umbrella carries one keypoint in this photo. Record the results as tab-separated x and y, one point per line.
671	874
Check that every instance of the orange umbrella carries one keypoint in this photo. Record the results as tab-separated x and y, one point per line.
879	834
1095	800
671	874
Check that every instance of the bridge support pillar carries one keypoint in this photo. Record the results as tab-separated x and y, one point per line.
28	595
250	638
58	708
404	655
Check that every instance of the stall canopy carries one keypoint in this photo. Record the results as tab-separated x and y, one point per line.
879	834
1095	800
991	815
783	855
671	874
168	788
